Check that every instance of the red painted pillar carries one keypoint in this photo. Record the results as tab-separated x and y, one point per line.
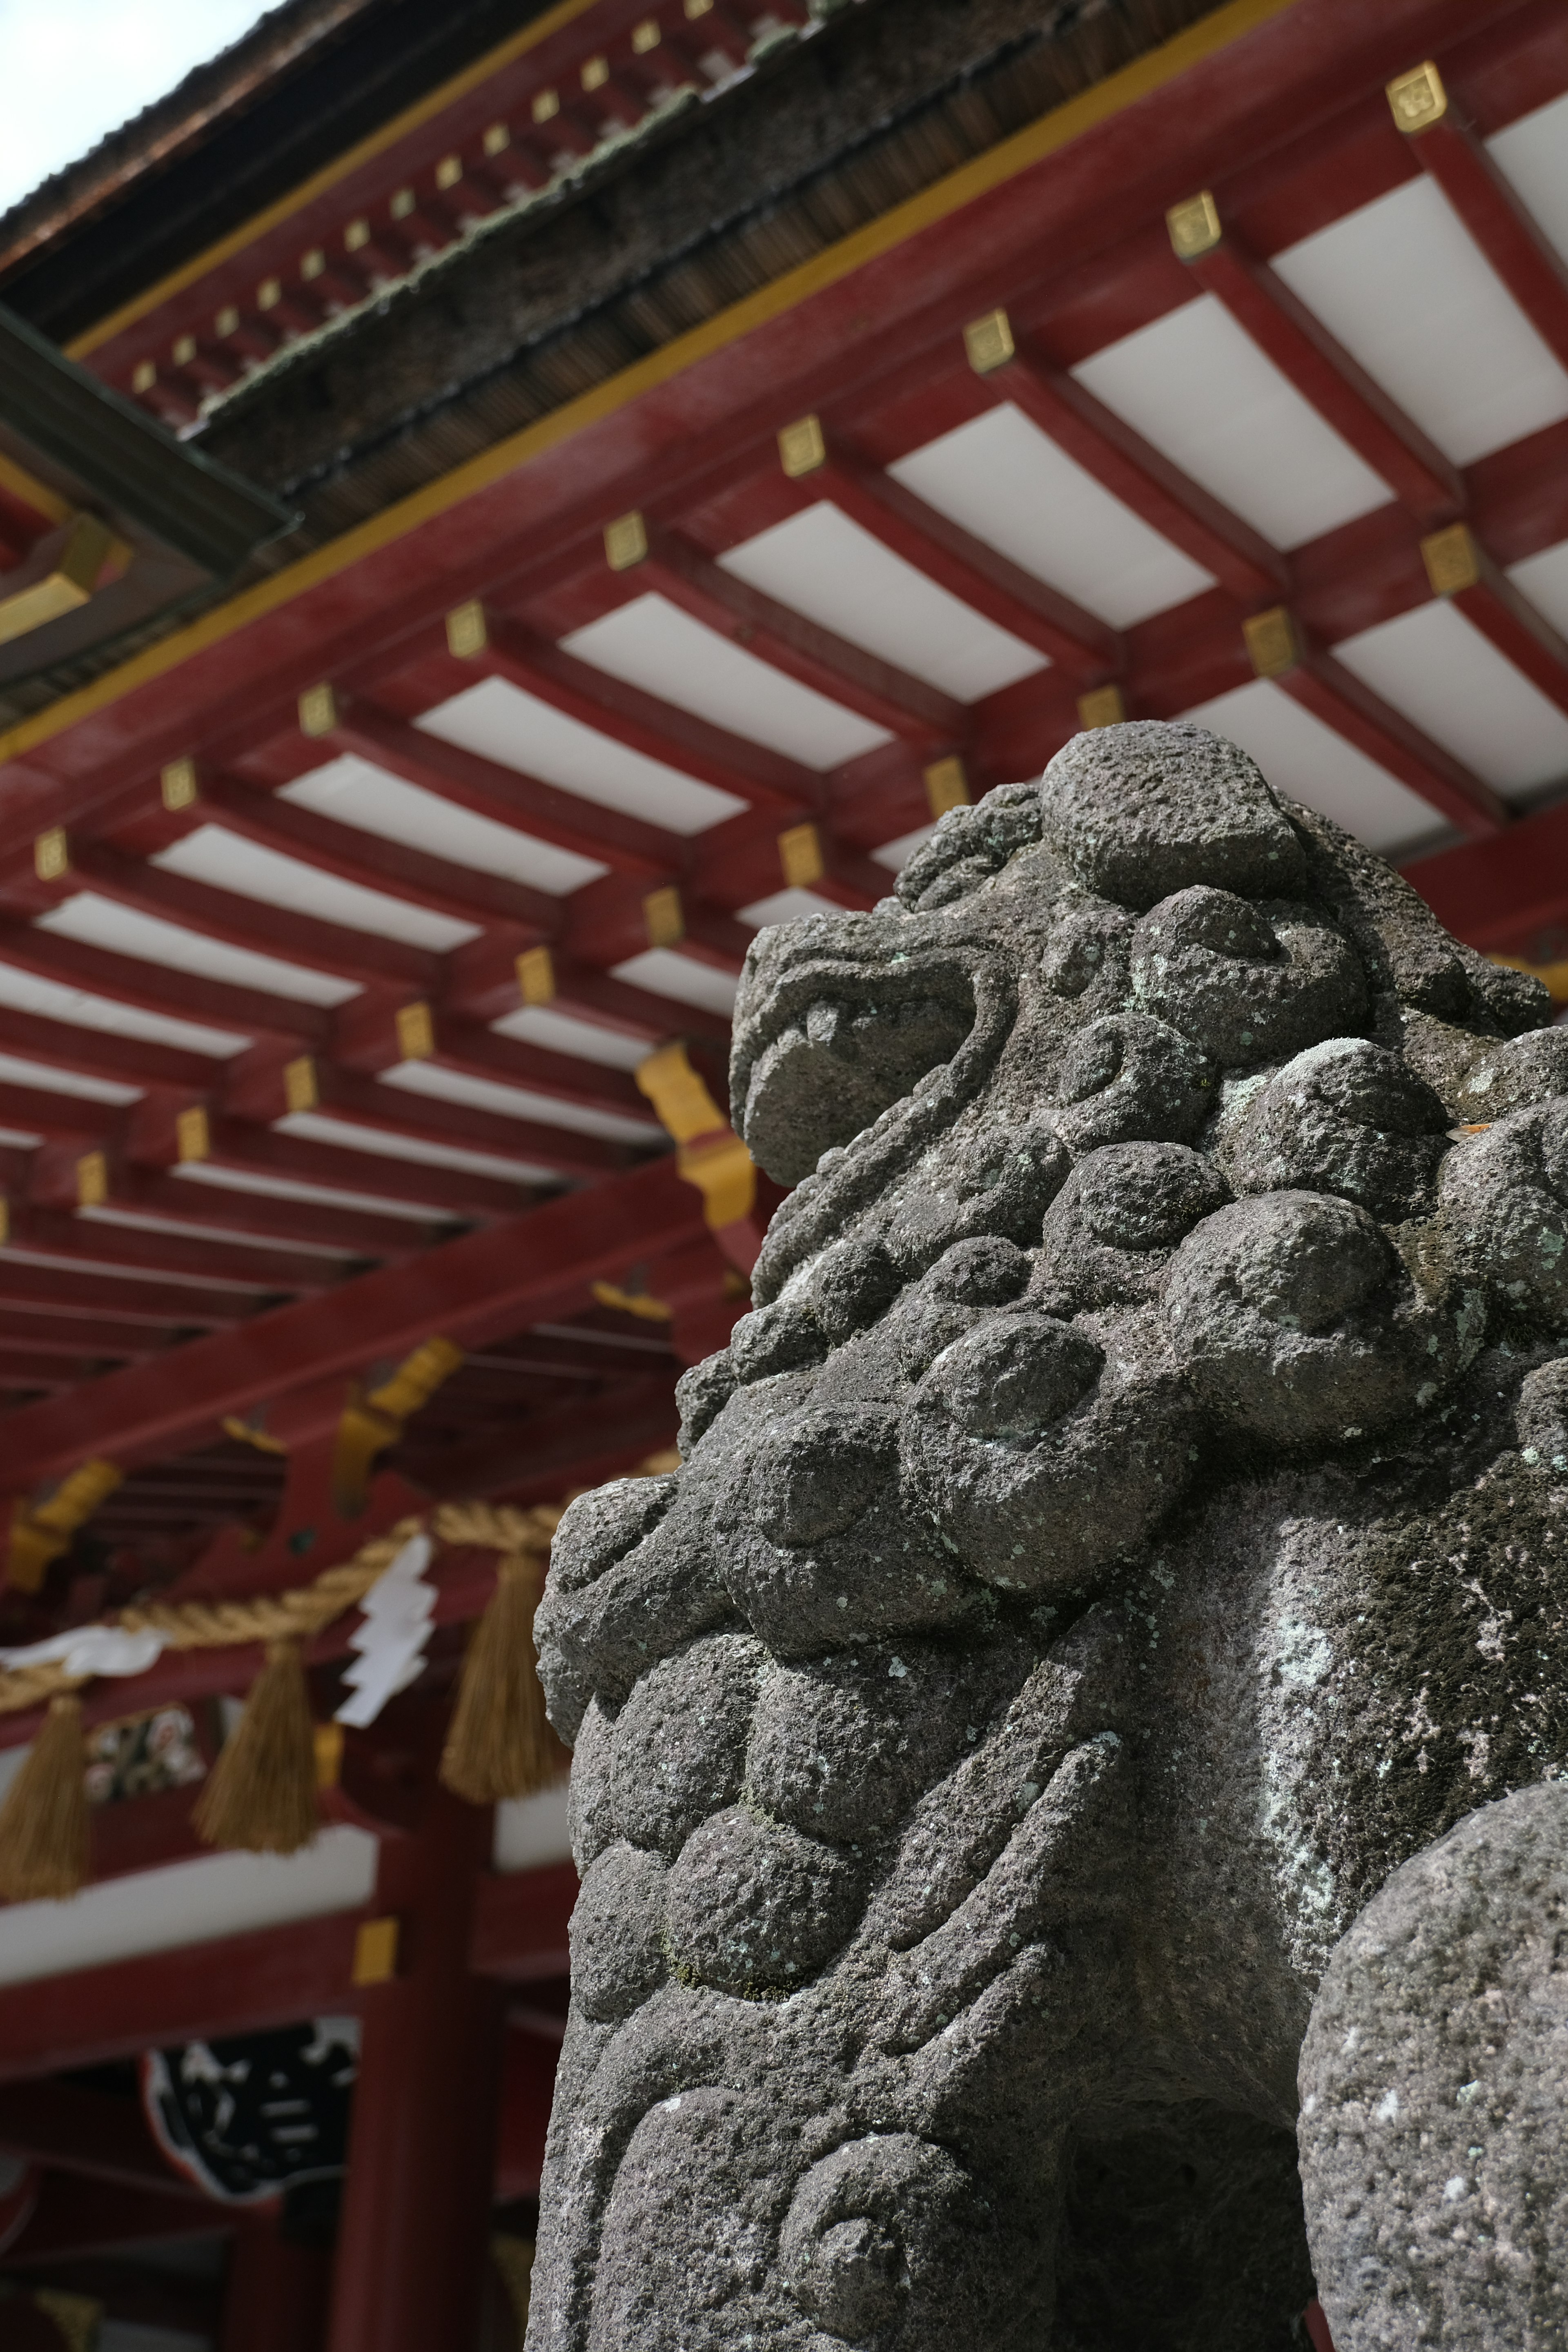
276	2299
414	2226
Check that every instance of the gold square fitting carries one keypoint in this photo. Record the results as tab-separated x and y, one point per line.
402	204
5	1222
299	1090
312	264
416	1032
496	139
800	856
595	72
51	855
947	786
376	1952
143	376
802	448
546	105
989	341
1195	226
536	976
448	170
269	293
185	350
1453	559
663	917
1418	99
329	1747
356	233
465	632
179	786
193	1136
1102	706
91	1181
1271	642
318	711
225	321
625	542
695	8
646	36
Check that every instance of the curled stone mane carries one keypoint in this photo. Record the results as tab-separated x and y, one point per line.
1066	1780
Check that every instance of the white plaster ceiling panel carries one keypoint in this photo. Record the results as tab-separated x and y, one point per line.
1533	154
562	1032
103	923
290	1188
827	566
356	793
1409	293
651	643
501	721
186	1903
896	854
318	1127
1002	479
664	972
787	906
1433	665
151	1222
1543	578
1307	759
25	992
20	1073
516	1102
230	862
1198	387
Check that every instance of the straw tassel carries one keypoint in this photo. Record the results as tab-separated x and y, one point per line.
500	1744
44	1832
261	1794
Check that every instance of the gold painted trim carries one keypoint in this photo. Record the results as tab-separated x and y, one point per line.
977	178
375	144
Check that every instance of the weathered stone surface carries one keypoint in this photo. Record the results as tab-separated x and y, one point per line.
1106	1643
1434	2089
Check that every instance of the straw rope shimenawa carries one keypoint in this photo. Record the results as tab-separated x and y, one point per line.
261	1794
307	1611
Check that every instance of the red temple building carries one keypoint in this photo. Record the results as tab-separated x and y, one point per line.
496	504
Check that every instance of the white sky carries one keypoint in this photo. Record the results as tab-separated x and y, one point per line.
73	69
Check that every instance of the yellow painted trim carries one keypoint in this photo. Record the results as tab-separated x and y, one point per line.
1026	147
375	144
32	492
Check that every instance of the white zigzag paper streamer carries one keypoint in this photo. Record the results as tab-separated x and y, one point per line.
391	1641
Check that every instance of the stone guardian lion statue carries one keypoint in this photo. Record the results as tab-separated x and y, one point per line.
1083	1730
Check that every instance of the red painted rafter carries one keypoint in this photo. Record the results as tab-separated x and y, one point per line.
349	1232
90	1241
155	1306
1086	647
803	649
155	988
1123	462
470	1290
1335	384
626	843
367	959
1333	694
1509	621
1531	267
644	722
1498	894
